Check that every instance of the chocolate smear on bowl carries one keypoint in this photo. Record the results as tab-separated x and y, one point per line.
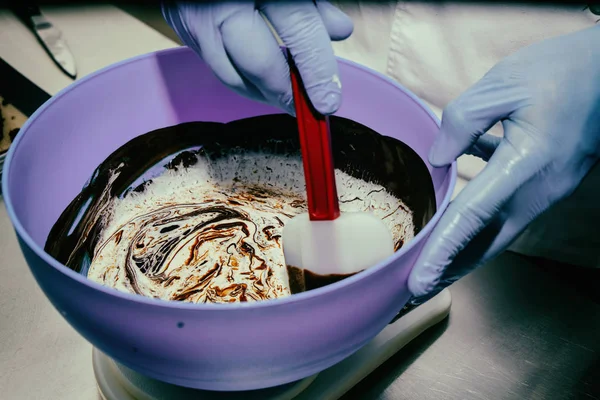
194	212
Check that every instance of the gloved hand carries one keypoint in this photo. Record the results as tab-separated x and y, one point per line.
547	97
237	44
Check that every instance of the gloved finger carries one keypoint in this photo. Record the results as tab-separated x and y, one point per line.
514	217
257	56
339	26
472	114
474	254
485	146
197	30
484	246
301	29
475	207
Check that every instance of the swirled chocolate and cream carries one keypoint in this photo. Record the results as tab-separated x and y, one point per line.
194	212
212	232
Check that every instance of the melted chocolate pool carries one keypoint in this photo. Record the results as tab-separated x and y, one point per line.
302	280
221	242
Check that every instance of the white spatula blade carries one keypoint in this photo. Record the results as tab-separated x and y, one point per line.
351	243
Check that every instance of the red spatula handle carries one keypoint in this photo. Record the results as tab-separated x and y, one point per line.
317	157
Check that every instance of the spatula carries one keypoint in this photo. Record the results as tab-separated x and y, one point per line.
324	245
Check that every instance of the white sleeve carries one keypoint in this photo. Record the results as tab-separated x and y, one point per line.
370	42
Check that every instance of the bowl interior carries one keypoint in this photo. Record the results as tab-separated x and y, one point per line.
262	151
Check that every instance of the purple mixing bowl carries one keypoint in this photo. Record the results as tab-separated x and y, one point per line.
207	346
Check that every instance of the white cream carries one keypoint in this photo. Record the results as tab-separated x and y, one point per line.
231	183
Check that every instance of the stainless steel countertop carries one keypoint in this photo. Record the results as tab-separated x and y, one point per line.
514	332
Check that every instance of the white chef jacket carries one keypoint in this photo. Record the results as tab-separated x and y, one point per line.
439	49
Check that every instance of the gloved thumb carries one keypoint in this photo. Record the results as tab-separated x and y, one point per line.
472	114
338	24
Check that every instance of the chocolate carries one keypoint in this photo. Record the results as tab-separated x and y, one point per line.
11	119
302	280
194	212
194	246
13	134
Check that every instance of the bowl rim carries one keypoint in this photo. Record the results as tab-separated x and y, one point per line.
299	297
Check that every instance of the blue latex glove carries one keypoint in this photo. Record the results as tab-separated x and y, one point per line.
548	98
237	44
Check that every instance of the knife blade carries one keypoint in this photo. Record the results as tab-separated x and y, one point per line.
47	34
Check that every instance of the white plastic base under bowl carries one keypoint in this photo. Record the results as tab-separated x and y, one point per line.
116	382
